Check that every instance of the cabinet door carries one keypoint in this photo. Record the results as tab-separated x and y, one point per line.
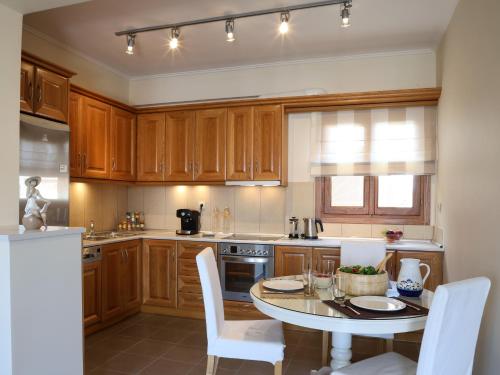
433	259
96	123
322	255
291	260
239	144
122	136
91	283
75	135
27	86
51	95
179	139
131	275
112	265
150	147
267	143
159	273
210	145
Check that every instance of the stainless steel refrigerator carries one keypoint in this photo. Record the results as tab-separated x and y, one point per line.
44	152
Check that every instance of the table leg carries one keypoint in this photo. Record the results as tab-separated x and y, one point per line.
341	350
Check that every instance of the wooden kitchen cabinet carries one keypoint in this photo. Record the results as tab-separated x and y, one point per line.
76	131
239	144
188	280
150	147
210	145
91	284
159	273
121	275
433	259
291	260
122	148
44	88
27	86
322	255
267	142
179	144
96	138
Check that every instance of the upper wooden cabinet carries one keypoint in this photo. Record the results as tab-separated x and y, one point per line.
75	135
179	146
267	143
96	138
239	144
122	137
210	145
44	88
150	147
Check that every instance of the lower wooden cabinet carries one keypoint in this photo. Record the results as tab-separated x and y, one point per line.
121	269
433	258
322	255
159	273
291	260
91	283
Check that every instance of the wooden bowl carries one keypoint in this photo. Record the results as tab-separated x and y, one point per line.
365	285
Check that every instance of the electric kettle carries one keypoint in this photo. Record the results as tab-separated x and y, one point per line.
311	228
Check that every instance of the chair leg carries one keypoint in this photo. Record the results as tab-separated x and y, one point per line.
278	368
324	348
211	365
389	345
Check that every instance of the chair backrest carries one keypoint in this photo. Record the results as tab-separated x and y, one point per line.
212	293
451	331
364	253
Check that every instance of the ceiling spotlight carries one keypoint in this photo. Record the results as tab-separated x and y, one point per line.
230	30
285	16
130	44
345	14
174	40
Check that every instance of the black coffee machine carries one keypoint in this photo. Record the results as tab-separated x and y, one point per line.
190	221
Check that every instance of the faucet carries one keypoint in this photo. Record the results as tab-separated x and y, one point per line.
92	228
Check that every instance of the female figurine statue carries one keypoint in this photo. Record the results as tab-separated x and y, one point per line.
34	217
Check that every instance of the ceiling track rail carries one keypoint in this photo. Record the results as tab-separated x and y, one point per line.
233	16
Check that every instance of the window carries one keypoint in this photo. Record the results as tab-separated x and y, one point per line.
397	199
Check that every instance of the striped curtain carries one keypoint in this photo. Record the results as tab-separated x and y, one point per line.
373	142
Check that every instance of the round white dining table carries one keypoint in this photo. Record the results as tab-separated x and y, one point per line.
313	313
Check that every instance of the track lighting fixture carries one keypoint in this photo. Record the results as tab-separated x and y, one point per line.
174	39
345	14
285	16
229	19
230	30
130	44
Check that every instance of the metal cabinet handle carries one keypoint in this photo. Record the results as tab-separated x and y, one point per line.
84	162
126	253
113	164
30	90
123	255
196	168
78	160
39	94
190	166
256	166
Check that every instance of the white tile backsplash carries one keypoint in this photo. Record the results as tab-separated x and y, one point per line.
247	209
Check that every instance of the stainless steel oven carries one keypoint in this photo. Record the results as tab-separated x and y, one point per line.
241	265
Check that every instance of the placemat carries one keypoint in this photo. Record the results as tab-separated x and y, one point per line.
266	293
407	312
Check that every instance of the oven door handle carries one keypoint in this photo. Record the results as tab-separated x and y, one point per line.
245	259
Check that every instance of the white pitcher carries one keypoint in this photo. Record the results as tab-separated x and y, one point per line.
410	282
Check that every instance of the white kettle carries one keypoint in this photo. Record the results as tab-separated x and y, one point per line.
410	282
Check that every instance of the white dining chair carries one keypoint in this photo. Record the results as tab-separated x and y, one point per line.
256	340
450	335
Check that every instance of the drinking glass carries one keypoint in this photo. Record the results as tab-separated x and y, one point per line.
308	280
339	287
323	279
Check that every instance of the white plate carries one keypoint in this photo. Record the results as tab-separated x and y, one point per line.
283	285
378	303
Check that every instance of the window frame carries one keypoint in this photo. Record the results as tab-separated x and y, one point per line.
370	213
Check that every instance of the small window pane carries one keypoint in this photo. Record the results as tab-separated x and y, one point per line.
348	191
395	191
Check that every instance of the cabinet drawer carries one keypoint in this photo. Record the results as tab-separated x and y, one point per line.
188	284
189	250
190	301
187	267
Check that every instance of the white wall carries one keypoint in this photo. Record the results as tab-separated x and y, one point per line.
469	153
91	74
349	74
10	66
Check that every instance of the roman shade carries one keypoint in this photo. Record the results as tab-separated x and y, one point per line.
373	142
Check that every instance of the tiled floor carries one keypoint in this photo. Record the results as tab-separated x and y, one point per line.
161	345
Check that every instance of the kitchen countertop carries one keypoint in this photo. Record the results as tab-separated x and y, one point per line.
18	233
417	245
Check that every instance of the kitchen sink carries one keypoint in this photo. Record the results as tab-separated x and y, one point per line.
100	236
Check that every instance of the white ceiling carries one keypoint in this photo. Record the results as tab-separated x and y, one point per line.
377	26
30	6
